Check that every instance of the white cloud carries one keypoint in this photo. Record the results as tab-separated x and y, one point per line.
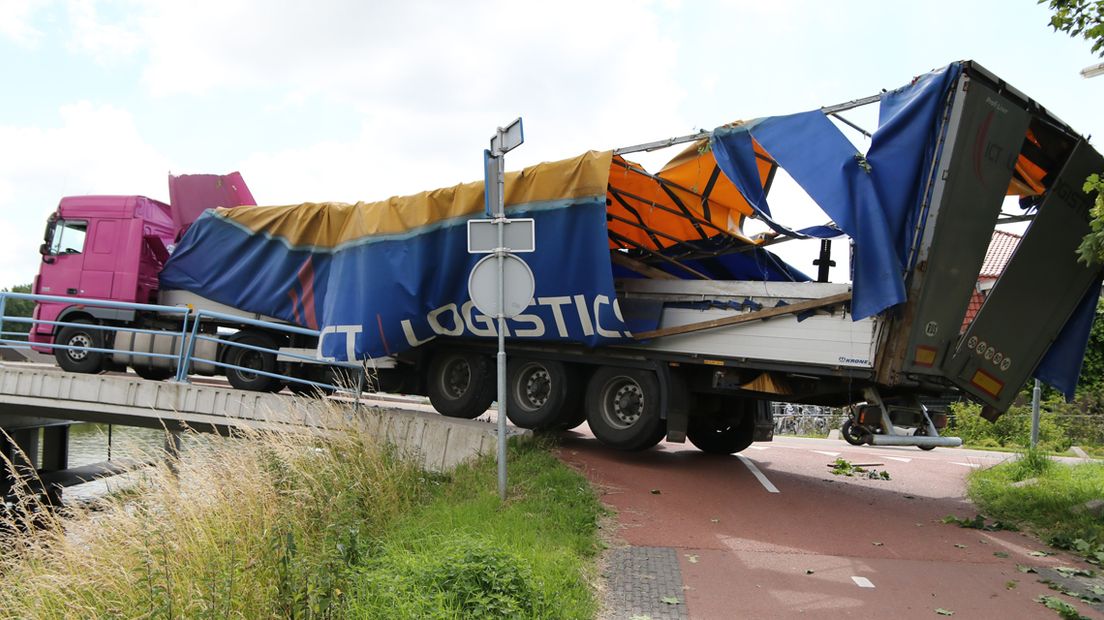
15	21
430	81
92	35
94	149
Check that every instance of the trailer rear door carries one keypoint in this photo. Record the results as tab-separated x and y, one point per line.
1035	296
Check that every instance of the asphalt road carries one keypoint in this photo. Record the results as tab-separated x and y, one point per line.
772	533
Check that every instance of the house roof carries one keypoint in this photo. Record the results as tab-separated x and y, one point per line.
1001	247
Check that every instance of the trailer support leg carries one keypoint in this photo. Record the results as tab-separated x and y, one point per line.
678	408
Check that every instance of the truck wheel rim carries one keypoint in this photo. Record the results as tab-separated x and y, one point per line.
456	378
79	340
534	385
250	360
622	403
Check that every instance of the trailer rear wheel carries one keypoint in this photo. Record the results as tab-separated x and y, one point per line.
543	394
461	384
249	360
80	360
722	434
622	406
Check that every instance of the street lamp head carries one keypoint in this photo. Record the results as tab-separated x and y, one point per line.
1093	70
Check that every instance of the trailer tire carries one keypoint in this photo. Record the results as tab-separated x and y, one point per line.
722	434
310	373
623	408
72	360
542	394
150	373
922	432
460	384
854	434
263	361
573	418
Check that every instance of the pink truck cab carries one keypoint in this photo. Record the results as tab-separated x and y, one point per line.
113	248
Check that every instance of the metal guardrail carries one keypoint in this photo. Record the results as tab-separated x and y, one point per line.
189	333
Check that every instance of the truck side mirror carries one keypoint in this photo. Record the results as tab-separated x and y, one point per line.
44	250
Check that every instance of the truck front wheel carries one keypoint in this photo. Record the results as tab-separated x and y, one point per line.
80	360
461	384
622	407
543	394
246	361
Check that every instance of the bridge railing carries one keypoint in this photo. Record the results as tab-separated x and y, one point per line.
188	335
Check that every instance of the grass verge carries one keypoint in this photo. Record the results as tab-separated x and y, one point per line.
1052	506
327	525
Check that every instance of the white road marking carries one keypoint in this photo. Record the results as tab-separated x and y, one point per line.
758	474
826	453
965	464
862	582
897	458
759	447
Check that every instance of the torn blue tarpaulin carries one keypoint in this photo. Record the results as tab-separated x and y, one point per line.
873	198
1060	368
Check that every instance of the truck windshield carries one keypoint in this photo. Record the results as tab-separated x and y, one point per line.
68	237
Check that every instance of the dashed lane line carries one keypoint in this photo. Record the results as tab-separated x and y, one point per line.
767	484
862	582
966	464
759	447
897	458
826	453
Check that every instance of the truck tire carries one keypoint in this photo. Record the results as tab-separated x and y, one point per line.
720	434
461	384
542	394
73	360
623	408
248	359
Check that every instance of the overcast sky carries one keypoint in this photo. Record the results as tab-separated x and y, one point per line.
350	100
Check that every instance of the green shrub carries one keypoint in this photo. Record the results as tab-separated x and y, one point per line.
463	577
326	525
1011	430
1031	463
1053	507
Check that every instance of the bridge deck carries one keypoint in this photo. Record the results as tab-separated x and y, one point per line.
29	393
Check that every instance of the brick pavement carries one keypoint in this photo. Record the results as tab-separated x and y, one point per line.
638	579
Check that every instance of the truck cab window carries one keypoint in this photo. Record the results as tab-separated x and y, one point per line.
68	237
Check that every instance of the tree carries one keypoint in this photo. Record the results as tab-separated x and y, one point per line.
1085	19
18	307
1079	18
1091	251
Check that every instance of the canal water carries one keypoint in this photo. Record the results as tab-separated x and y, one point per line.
93	443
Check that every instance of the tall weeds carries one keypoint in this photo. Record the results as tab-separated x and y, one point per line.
259	525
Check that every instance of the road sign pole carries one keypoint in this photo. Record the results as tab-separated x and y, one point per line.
500	217
1035	393
504	140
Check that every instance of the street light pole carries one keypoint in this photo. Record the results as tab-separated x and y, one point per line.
1093	70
